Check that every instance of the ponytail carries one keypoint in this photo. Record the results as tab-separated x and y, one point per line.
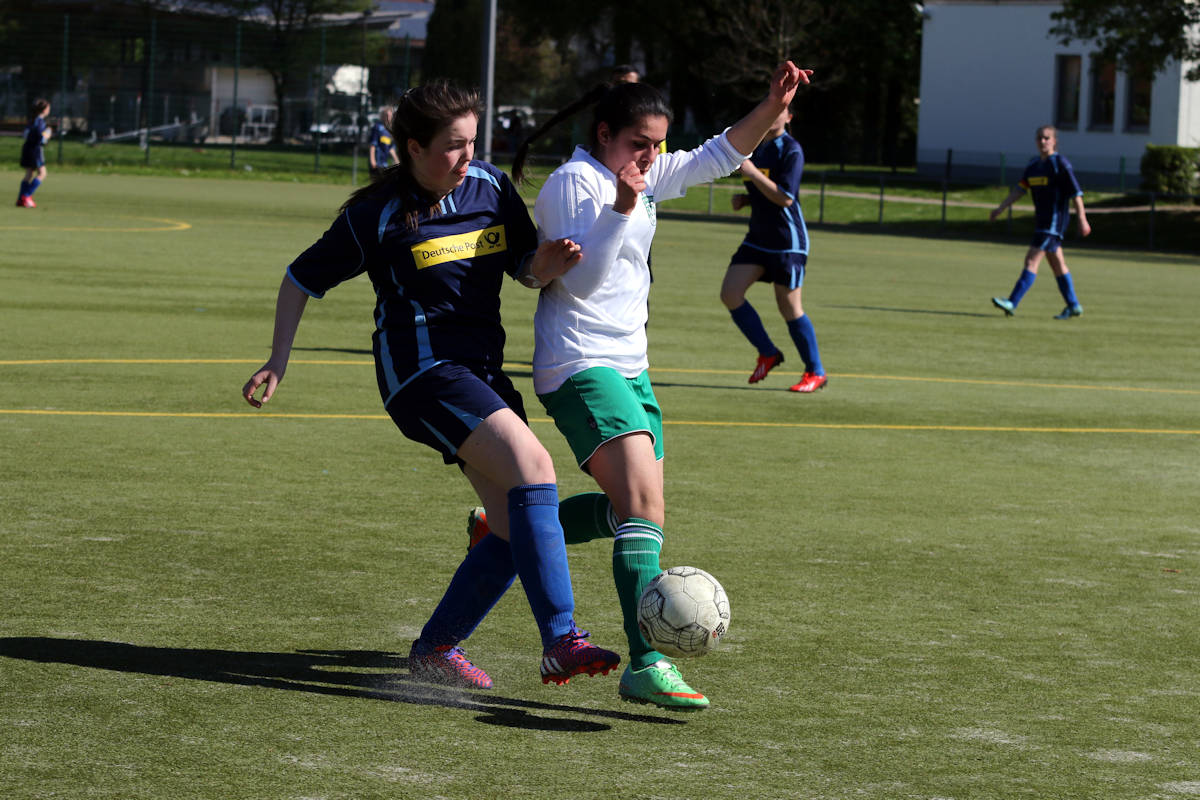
617	105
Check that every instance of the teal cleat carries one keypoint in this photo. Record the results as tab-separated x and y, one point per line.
662	685
1070	311
1005	305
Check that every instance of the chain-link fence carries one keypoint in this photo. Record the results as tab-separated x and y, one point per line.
123	74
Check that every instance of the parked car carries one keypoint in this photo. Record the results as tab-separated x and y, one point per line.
341	126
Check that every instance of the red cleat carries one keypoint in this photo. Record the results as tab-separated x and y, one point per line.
809	383
571	655
765	364
27	201
477	527
449	666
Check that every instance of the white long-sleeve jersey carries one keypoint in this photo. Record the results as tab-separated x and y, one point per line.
595	315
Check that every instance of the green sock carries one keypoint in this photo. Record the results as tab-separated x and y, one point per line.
585	517
636	546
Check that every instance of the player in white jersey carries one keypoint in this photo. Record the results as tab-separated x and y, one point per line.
590	363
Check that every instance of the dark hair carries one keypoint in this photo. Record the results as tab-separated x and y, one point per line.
618	106
419	114
40	105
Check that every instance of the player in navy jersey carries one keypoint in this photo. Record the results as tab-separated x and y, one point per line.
774	251
436	236
1051	181
381	148
32	155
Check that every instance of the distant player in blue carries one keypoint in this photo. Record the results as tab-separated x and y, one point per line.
1052	182
33	159
774	251
381	149
436	237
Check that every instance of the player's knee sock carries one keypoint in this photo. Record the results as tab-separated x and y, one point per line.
636	547
1066	287
1022	286
805	337
24	188
587	516
540	555
480	581
749	323
33	184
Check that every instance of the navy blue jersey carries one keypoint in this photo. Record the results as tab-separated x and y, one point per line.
381	140
772	227
31	150
437	287
1052	184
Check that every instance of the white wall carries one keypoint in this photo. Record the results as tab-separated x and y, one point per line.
1189	111
988	81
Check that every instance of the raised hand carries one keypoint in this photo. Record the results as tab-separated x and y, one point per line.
630	183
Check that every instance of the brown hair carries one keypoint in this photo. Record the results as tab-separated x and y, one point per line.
419	114
40	105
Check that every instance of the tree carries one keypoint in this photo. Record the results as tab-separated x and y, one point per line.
1134	34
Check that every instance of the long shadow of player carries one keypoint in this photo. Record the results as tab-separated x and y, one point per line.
338	673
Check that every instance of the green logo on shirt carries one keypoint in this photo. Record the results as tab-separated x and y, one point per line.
648	202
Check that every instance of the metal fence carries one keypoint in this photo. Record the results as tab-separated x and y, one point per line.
122	74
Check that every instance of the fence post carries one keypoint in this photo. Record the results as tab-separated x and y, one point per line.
881	182
1122	172
949	161
1152	205
150	84
237	66
944	185
66	45
317	115
821	212
710	198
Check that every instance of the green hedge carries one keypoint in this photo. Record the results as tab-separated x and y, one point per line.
1170	169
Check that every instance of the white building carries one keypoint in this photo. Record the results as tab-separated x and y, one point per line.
991	73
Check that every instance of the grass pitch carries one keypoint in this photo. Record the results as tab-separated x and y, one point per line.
967	569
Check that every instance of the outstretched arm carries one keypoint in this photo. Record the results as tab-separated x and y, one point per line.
750	129
768	187
1013	196
289	308
551	260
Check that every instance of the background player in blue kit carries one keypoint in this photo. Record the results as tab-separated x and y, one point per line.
436	237
1052	182
774	251
381	148
32	153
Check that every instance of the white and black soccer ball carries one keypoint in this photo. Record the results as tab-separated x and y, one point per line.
683	612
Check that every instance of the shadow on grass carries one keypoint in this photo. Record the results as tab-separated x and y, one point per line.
337	673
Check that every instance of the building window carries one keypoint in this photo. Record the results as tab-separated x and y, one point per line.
1066	102
1103	97
1137	103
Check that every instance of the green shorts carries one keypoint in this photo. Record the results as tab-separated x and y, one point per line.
599	404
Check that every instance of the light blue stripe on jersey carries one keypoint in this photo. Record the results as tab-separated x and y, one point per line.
425	359
476	172
386	215
470	420
302	287
451	448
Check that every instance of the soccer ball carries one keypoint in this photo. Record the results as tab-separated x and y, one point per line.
683	612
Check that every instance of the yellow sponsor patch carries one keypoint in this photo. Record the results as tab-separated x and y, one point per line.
460	246
766	172
385	140
1038	180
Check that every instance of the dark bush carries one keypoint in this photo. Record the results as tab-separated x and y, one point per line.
1170	169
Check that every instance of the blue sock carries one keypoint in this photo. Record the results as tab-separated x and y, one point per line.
540	555
1066	287
1022	286
33	184
24	188
481	580
805	337
748	322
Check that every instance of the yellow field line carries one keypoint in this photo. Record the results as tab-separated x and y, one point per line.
850	426
674	370
174	225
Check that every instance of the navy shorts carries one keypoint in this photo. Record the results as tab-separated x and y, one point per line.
1046	241
441	406
785	269
35	160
